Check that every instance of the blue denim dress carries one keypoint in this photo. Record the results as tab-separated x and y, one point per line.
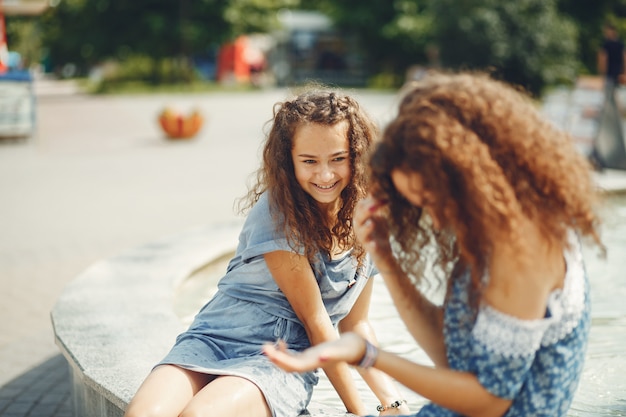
535	363
249	310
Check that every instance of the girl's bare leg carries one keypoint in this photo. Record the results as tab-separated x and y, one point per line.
228	396
166	391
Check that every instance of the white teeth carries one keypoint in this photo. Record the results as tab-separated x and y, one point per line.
325	187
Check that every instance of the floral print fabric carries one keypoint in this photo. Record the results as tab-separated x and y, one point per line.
535	363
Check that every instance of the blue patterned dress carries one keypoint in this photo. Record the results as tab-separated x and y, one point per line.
249	310
535	363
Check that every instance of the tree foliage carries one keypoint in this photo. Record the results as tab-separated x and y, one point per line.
394	33
86	32
255	16
525	42
27	39
532	43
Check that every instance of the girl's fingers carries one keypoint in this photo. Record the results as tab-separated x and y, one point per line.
364	225
312	358
291	362
371	233
281	358
365	208
361	213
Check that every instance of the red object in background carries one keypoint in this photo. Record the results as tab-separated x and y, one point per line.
231	62
4	50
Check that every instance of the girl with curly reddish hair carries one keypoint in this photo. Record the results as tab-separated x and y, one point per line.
298	275
473	186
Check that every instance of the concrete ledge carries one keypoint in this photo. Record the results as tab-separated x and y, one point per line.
115	321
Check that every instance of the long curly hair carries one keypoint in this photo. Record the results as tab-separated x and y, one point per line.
490	159
305	225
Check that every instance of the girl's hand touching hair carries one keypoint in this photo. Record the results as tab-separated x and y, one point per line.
371	230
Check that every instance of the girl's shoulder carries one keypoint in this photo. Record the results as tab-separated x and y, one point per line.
260	215
262	211
262	204
262	224
265	204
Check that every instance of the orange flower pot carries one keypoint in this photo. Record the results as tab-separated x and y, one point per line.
180	126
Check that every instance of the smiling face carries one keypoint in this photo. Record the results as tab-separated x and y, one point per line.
321	160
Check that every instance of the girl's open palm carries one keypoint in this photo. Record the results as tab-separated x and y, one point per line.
349	348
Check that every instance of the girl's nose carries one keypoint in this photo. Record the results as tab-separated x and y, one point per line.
326	173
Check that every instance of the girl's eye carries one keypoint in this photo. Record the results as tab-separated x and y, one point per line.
309	161
340	159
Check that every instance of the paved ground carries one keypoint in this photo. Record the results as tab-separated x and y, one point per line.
99	178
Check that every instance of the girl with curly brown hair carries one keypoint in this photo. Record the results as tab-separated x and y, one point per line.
472	186
297	275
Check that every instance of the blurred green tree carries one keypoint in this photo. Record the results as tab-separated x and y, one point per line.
24	37
395	34
85	32
255	16
525	42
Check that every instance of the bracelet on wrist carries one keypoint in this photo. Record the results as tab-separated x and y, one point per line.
395	404
369	357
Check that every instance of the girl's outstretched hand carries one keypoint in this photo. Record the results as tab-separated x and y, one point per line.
349	348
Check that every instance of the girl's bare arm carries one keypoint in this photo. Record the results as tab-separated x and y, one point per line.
458	391
381	385
295	279
423	319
